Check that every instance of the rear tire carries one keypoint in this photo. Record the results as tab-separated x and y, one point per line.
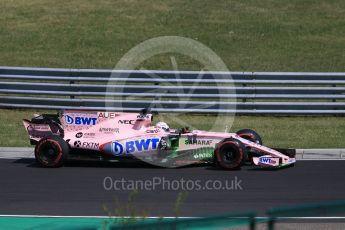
51	152
230	154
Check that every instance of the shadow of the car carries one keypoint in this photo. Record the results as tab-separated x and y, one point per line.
108	164
90	163
271	169
220	169
30	162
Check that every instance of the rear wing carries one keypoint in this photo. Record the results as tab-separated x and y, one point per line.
41	126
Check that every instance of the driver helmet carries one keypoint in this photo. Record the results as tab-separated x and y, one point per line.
162	125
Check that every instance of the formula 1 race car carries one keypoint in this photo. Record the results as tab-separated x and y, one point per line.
117	136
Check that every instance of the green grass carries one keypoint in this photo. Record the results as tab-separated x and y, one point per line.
292	132
253	35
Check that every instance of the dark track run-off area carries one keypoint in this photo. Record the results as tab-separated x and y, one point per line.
77	188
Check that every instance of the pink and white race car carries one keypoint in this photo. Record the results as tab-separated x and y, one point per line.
117	136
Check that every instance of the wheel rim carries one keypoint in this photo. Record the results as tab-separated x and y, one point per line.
229	154
49	152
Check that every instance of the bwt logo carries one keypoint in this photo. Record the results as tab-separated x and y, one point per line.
134	146
80	120
267	160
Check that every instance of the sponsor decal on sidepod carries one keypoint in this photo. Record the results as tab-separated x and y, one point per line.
89	145
85	135
126	122
134	146
110	115
80	120
109	130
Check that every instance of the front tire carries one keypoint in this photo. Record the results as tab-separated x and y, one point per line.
250	135
51	152
230	154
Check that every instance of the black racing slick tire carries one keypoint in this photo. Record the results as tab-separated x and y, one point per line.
250	135
230	154
51	152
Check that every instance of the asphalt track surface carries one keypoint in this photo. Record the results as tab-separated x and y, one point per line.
77	189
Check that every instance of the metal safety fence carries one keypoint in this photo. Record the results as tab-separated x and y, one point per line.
290	93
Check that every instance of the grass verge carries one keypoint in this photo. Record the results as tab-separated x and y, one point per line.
253	35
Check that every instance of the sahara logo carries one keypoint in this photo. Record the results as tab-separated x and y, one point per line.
193	140
80	120
134	146
198	142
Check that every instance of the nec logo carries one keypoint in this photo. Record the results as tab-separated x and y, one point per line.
126	122
134	146
80	120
